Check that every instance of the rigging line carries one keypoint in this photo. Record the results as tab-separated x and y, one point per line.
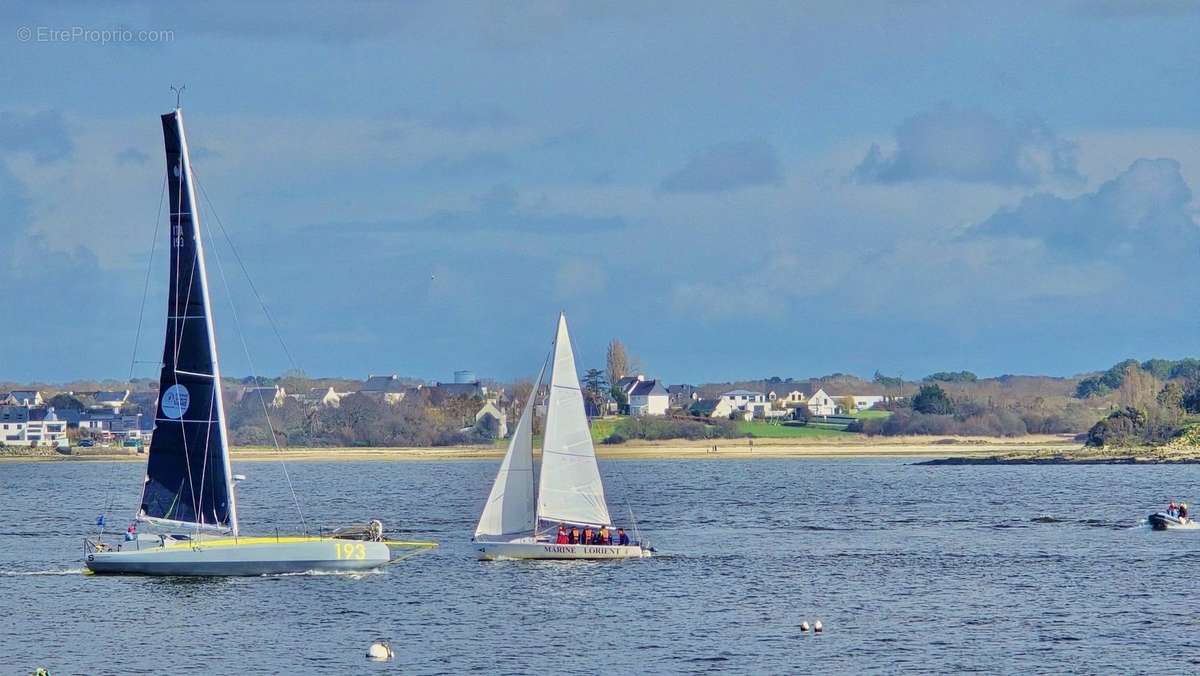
133	360
246	349
237	257
620	475
149	268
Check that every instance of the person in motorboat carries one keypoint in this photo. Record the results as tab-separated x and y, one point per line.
1172	509
1183	512
622	538
562	535
131	532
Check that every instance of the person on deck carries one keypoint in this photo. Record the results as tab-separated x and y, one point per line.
573	539
622	537
587	536
605	537
562	535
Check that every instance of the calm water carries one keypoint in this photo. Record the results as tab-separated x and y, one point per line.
910	568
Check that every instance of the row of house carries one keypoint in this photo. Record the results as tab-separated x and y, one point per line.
650	397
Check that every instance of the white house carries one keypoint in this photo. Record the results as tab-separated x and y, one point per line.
113	401
648	397
25	426
321	396
273	395
822	403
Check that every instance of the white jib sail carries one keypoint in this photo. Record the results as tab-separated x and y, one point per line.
570	489
510	506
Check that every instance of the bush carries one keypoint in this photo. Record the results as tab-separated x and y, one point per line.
615	438
932	399
653	428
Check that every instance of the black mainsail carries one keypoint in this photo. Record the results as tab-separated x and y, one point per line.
188	479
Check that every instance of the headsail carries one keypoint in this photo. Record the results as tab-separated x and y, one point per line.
570	489
188	479
511	504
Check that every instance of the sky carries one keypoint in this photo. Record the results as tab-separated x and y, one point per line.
734	189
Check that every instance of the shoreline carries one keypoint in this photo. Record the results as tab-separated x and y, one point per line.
978	448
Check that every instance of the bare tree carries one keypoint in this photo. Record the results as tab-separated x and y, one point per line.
618	361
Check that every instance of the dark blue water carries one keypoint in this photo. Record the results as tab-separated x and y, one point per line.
942	569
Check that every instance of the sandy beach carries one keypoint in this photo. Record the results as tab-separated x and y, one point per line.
851	447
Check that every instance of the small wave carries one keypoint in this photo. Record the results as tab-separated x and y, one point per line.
324	573
1046	519
19	573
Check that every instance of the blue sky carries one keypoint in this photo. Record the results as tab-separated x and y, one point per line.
735	190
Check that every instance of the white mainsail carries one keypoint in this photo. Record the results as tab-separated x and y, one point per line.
511	504
570	489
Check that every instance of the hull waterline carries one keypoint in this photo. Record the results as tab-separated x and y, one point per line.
493	551
244	556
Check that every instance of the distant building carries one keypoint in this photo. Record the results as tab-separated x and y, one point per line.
682	396
648	397
272	395
858	402
23	398
321	397
386	388
112	400
440	392
753	403
822	403
146	402
462	377
490	416
31	426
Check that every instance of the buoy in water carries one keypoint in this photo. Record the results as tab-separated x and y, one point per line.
380	651
804	627
817	627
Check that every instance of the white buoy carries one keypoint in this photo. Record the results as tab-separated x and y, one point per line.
380	651
804	627
817	627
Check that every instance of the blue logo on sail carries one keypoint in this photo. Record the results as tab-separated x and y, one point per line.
175	401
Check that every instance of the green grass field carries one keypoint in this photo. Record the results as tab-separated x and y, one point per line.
766	430
872	415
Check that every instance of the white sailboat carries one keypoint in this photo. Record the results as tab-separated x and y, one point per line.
516	523
188	500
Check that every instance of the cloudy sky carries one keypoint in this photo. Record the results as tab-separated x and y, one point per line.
734	189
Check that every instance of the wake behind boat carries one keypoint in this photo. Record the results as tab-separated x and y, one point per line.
516	523
188	492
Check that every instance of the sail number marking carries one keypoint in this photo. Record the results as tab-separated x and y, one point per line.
351	550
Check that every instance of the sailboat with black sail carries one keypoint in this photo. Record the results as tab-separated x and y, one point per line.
188	505
516	523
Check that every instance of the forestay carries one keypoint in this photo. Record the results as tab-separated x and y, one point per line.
187	474
511	504
570	489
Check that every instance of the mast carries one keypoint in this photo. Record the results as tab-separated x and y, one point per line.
189	480
189	180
